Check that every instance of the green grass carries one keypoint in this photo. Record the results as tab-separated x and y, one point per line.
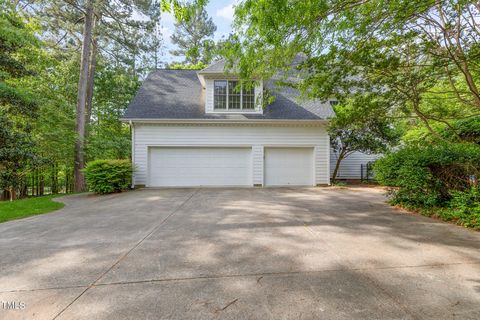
11	210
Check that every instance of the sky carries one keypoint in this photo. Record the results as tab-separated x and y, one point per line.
221	12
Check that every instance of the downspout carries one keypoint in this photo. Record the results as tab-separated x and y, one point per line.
132	134
329	149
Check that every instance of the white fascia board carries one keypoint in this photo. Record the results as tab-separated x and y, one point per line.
201	78
227	121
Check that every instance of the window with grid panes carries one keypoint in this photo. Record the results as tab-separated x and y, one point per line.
234	95
231	95
220	94
248	97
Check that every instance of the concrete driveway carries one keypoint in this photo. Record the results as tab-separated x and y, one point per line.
313	253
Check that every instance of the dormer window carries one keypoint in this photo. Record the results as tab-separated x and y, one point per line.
233	96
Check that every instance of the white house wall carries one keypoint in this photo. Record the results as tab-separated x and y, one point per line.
254	135
350	167
209	95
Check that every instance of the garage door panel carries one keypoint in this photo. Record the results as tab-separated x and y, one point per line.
200	166
289	166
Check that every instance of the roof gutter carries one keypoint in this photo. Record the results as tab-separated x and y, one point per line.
226	121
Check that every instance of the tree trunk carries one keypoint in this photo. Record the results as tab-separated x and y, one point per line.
24	189
42	183
66	180
91	81
54	179
37	183
90	88
57	184
341	156
79	163
12	192
155	57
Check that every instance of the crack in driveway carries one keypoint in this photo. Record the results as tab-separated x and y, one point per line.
185	253
151	231
244	275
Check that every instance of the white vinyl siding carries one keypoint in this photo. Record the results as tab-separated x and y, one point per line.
319	151
350	167
256	137
208	96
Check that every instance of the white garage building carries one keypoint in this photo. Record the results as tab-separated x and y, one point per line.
203	128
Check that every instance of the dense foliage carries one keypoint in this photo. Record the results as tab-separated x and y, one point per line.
440	178
39	73
18	51
108	176
186	66
193	35
464	208
421	56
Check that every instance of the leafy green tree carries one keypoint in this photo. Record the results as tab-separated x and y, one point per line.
115	29
415	54
17	105
186	66
468	129
55	85
193	35
361	124
109	138
153	44
52	76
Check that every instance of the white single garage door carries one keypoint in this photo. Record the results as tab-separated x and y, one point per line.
192	166
289	166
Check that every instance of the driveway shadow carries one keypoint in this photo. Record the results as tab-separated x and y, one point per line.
277	253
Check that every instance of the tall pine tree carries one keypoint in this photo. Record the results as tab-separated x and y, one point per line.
114	29
193	35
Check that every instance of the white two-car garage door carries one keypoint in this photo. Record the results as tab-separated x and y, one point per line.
289	166
199	166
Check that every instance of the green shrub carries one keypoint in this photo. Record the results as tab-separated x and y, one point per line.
468	129
108	176
428	176
464	207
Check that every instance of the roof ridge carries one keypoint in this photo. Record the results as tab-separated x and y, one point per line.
169	69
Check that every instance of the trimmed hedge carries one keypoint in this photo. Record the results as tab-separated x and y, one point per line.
108	176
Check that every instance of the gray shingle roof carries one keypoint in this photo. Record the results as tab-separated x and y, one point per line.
216	67
178	94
